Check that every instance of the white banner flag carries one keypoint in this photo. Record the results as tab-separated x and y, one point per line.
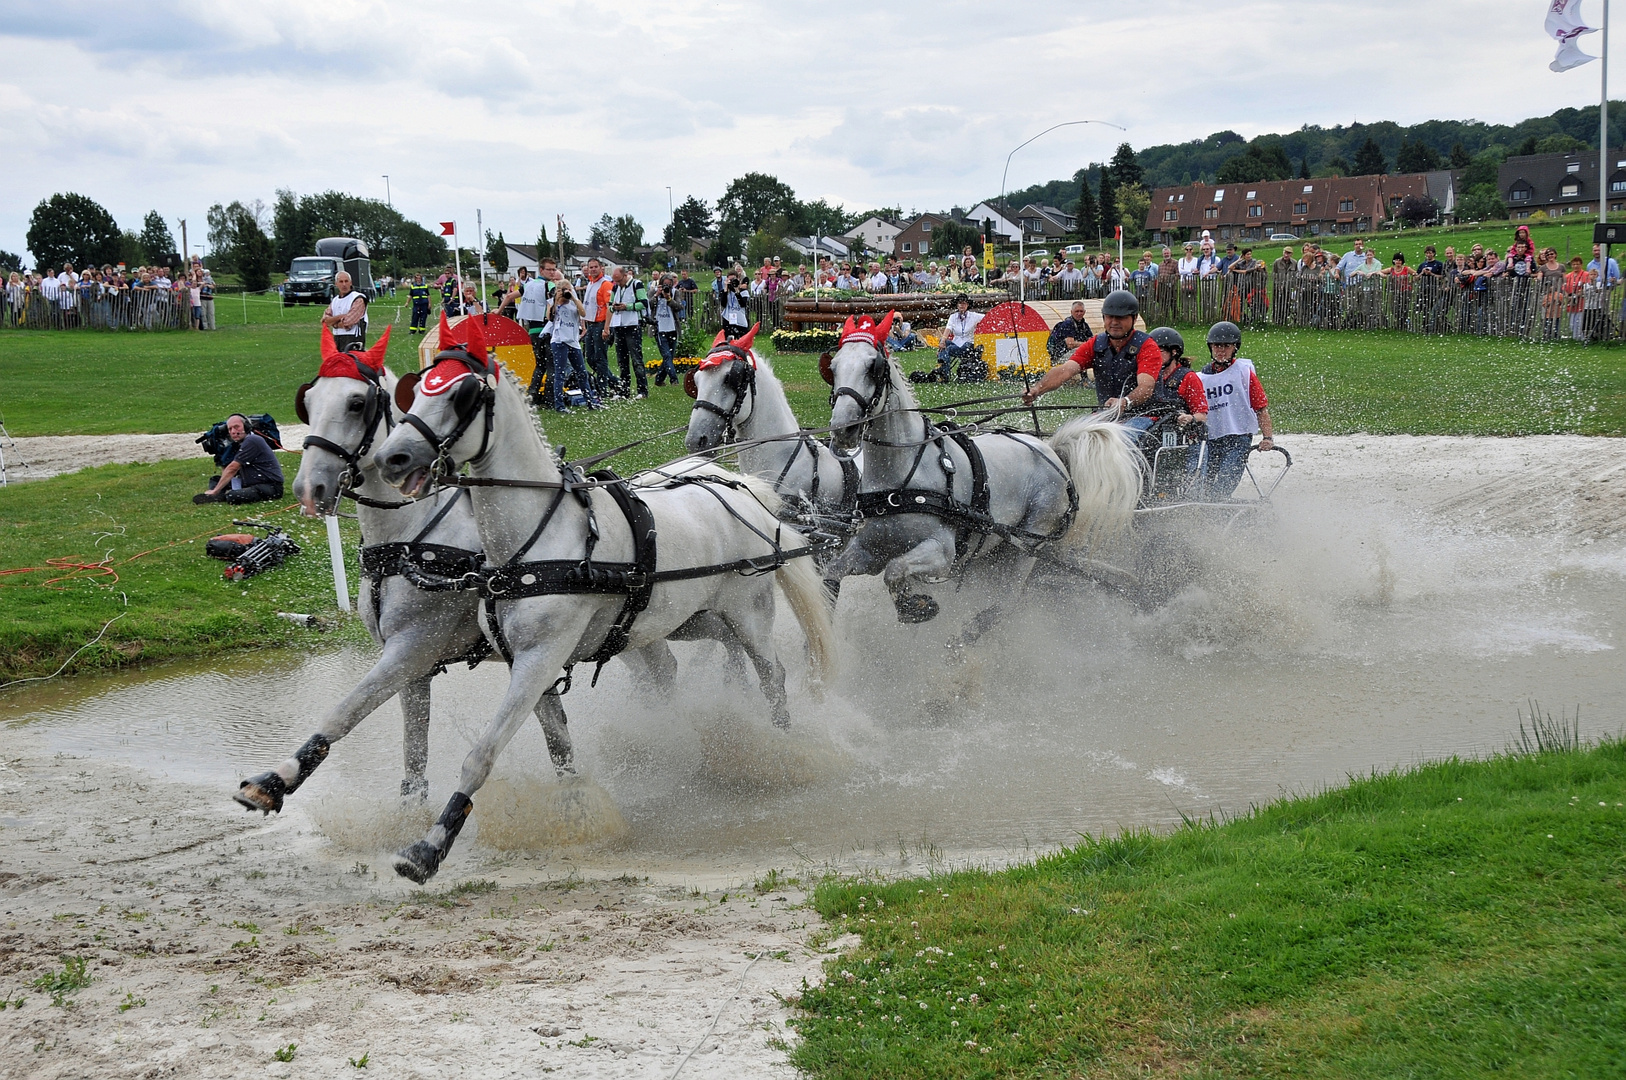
1564	25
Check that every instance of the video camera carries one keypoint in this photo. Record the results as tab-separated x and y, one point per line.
266	553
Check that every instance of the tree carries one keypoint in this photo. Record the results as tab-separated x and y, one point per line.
1559	143
156	239
1336	166
1133	205
1107	206
1304	168
1527	147
298	221
1481	203
567	243
601	232
1369	159
72	228
819	218
1459	156
1416	157
754	198
497	252
769	241
225	231
1483	169
949	239
9	263
626	234
1418	210
1089	212
1125	167
1263	160
725	249
542	247
253	255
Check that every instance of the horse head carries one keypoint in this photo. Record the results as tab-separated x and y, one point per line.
724	392
859	374
449	411
344	405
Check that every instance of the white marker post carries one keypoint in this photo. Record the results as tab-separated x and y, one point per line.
335	550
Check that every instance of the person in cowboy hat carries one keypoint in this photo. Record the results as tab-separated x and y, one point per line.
959	341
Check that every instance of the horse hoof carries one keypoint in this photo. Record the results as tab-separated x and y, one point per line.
415	788
563	767
419	862
782	722
263	793
915	608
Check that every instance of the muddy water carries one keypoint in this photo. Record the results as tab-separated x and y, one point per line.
1364	627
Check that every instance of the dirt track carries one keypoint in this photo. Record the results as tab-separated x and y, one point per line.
42	456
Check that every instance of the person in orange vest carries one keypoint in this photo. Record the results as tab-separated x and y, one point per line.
595	297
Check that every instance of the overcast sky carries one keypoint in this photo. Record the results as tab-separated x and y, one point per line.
527	110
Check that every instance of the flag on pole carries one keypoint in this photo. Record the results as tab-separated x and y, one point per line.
1565	26
448	228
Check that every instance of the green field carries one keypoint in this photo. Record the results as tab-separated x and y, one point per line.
1459	920
92	383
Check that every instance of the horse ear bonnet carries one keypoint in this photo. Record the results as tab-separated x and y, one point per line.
689	385
825	371
299	402
405	387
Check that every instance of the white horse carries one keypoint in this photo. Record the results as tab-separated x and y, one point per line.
737	394
578	566
346	405
935	499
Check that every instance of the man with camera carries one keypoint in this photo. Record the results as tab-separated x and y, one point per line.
566	318
629	302
668	311
735	305
252	475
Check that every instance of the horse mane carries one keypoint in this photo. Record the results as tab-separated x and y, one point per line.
900	383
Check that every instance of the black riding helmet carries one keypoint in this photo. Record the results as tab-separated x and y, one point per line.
1121	302
1225	333
1169	339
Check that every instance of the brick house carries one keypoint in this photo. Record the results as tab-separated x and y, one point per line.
1317	207
915	241
1560	184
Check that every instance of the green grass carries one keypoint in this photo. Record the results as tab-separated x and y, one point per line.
1460	919
169	603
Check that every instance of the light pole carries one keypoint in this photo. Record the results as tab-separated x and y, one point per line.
1020	233
387	201
671	219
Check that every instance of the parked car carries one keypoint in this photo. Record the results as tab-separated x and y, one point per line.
310	277
1283	237
1074	249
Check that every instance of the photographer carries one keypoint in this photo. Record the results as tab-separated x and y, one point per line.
252	475
735	306
668	311
567	317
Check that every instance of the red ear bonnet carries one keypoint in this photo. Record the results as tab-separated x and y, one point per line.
724	351
865	329
347	365
459	346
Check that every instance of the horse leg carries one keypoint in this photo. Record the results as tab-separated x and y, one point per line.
1007	584
927	557
753	627
533	671
550	710
415	737
409	654
707	626
654	669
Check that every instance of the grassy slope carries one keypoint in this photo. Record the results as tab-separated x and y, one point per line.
1463	919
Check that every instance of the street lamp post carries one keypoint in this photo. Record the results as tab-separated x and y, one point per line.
1004	209
387	201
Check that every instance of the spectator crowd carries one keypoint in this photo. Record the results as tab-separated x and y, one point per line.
110	297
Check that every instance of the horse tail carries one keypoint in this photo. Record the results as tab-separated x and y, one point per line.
810	603
1107	472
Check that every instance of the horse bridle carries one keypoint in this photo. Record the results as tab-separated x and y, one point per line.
373	410
470	397
878	374
741	378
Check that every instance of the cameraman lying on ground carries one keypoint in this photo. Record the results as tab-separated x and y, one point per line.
252	475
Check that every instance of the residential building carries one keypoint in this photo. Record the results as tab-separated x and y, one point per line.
1041	224
523	256
1006	231
1559	184
875	233
1317	207
826	245
916	238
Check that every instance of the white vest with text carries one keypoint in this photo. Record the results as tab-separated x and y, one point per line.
1229	410
341	306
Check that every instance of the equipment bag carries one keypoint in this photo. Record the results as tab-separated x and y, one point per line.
228	545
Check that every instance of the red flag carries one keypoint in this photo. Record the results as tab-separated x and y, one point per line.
448	228
1119	234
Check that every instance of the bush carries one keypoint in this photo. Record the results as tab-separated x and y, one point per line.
804	341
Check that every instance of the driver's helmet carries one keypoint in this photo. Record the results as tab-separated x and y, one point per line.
1168	338
1121	302
1225	333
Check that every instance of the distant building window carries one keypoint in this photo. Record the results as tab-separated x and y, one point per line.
1182	198
1211	212
1301	208
1225	234
1617	185
1308	188
1171	198
1520	194
1570	189
907	247
1253	194
1315	228
1346	206
1219	195
925	226
1583	209
1574	166
1256	210
1171	215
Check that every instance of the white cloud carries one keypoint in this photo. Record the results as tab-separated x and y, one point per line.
527	110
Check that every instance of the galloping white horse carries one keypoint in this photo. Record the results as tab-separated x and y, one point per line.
735	391
934	499
578	558
345	406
